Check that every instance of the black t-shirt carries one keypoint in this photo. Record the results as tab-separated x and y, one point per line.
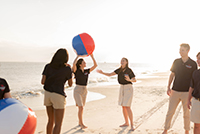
56	78
82	77
183	74
4	88
121	75
195	83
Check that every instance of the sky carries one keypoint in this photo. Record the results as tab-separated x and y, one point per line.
141	30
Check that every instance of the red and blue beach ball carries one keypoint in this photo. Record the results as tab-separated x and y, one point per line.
83	44
16	118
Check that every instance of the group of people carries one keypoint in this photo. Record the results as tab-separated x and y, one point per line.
186	88
184	76
57	72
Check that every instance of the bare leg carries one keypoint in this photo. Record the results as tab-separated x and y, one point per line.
196	128
59	114
50	123
130	115
187	132
80	117
125	114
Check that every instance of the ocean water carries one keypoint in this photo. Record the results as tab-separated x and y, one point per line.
24	78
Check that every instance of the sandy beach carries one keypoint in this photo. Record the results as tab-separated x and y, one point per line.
150	104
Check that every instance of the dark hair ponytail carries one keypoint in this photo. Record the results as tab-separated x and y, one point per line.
78	63
60	58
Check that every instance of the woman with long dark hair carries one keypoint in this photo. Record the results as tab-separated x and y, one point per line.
55	75
4	89
125	79
80	91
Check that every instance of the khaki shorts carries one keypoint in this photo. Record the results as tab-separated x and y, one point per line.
125	95
195	111
57	101
80	94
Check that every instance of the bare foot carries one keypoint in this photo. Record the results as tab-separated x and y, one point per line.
132	128
124	125
83	126
164	132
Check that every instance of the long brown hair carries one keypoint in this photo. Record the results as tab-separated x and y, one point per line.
60	58
78	63
121	69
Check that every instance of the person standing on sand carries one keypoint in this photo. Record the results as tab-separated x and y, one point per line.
194	94
125	79
54	77
4	89
80	91
181	74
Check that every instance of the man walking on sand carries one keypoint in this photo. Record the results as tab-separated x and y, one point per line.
181	74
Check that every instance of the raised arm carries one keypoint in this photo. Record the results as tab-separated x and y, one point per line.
74	64
95	63
107	74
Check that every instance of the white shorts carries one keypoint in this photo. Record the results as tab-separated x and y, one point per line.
195	111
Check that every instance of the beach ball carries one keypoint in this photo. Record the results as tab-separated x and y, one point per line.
16	118
83	44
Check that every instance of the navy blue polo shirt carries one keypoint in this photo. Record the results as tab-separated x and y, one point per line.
121	75
82	77
56	78
4	88
183	74
195	83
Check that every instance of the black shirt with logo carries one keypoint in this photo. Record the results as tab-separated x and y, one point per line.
4	88
56	78
121	75
183	74
195	83
82	77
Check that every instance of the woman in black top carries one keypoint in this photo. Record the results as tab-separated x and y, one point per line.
55	75
80	91
4	89
194	98
125	79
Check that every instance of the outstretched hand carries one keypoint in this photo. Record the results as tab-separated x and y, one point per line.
99	71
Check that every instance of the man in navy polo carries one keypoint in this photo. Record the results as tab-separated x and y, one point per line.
181	74
194	95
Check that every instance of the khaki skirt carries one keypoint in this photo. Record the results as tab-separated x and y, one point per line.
125	95
80	94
